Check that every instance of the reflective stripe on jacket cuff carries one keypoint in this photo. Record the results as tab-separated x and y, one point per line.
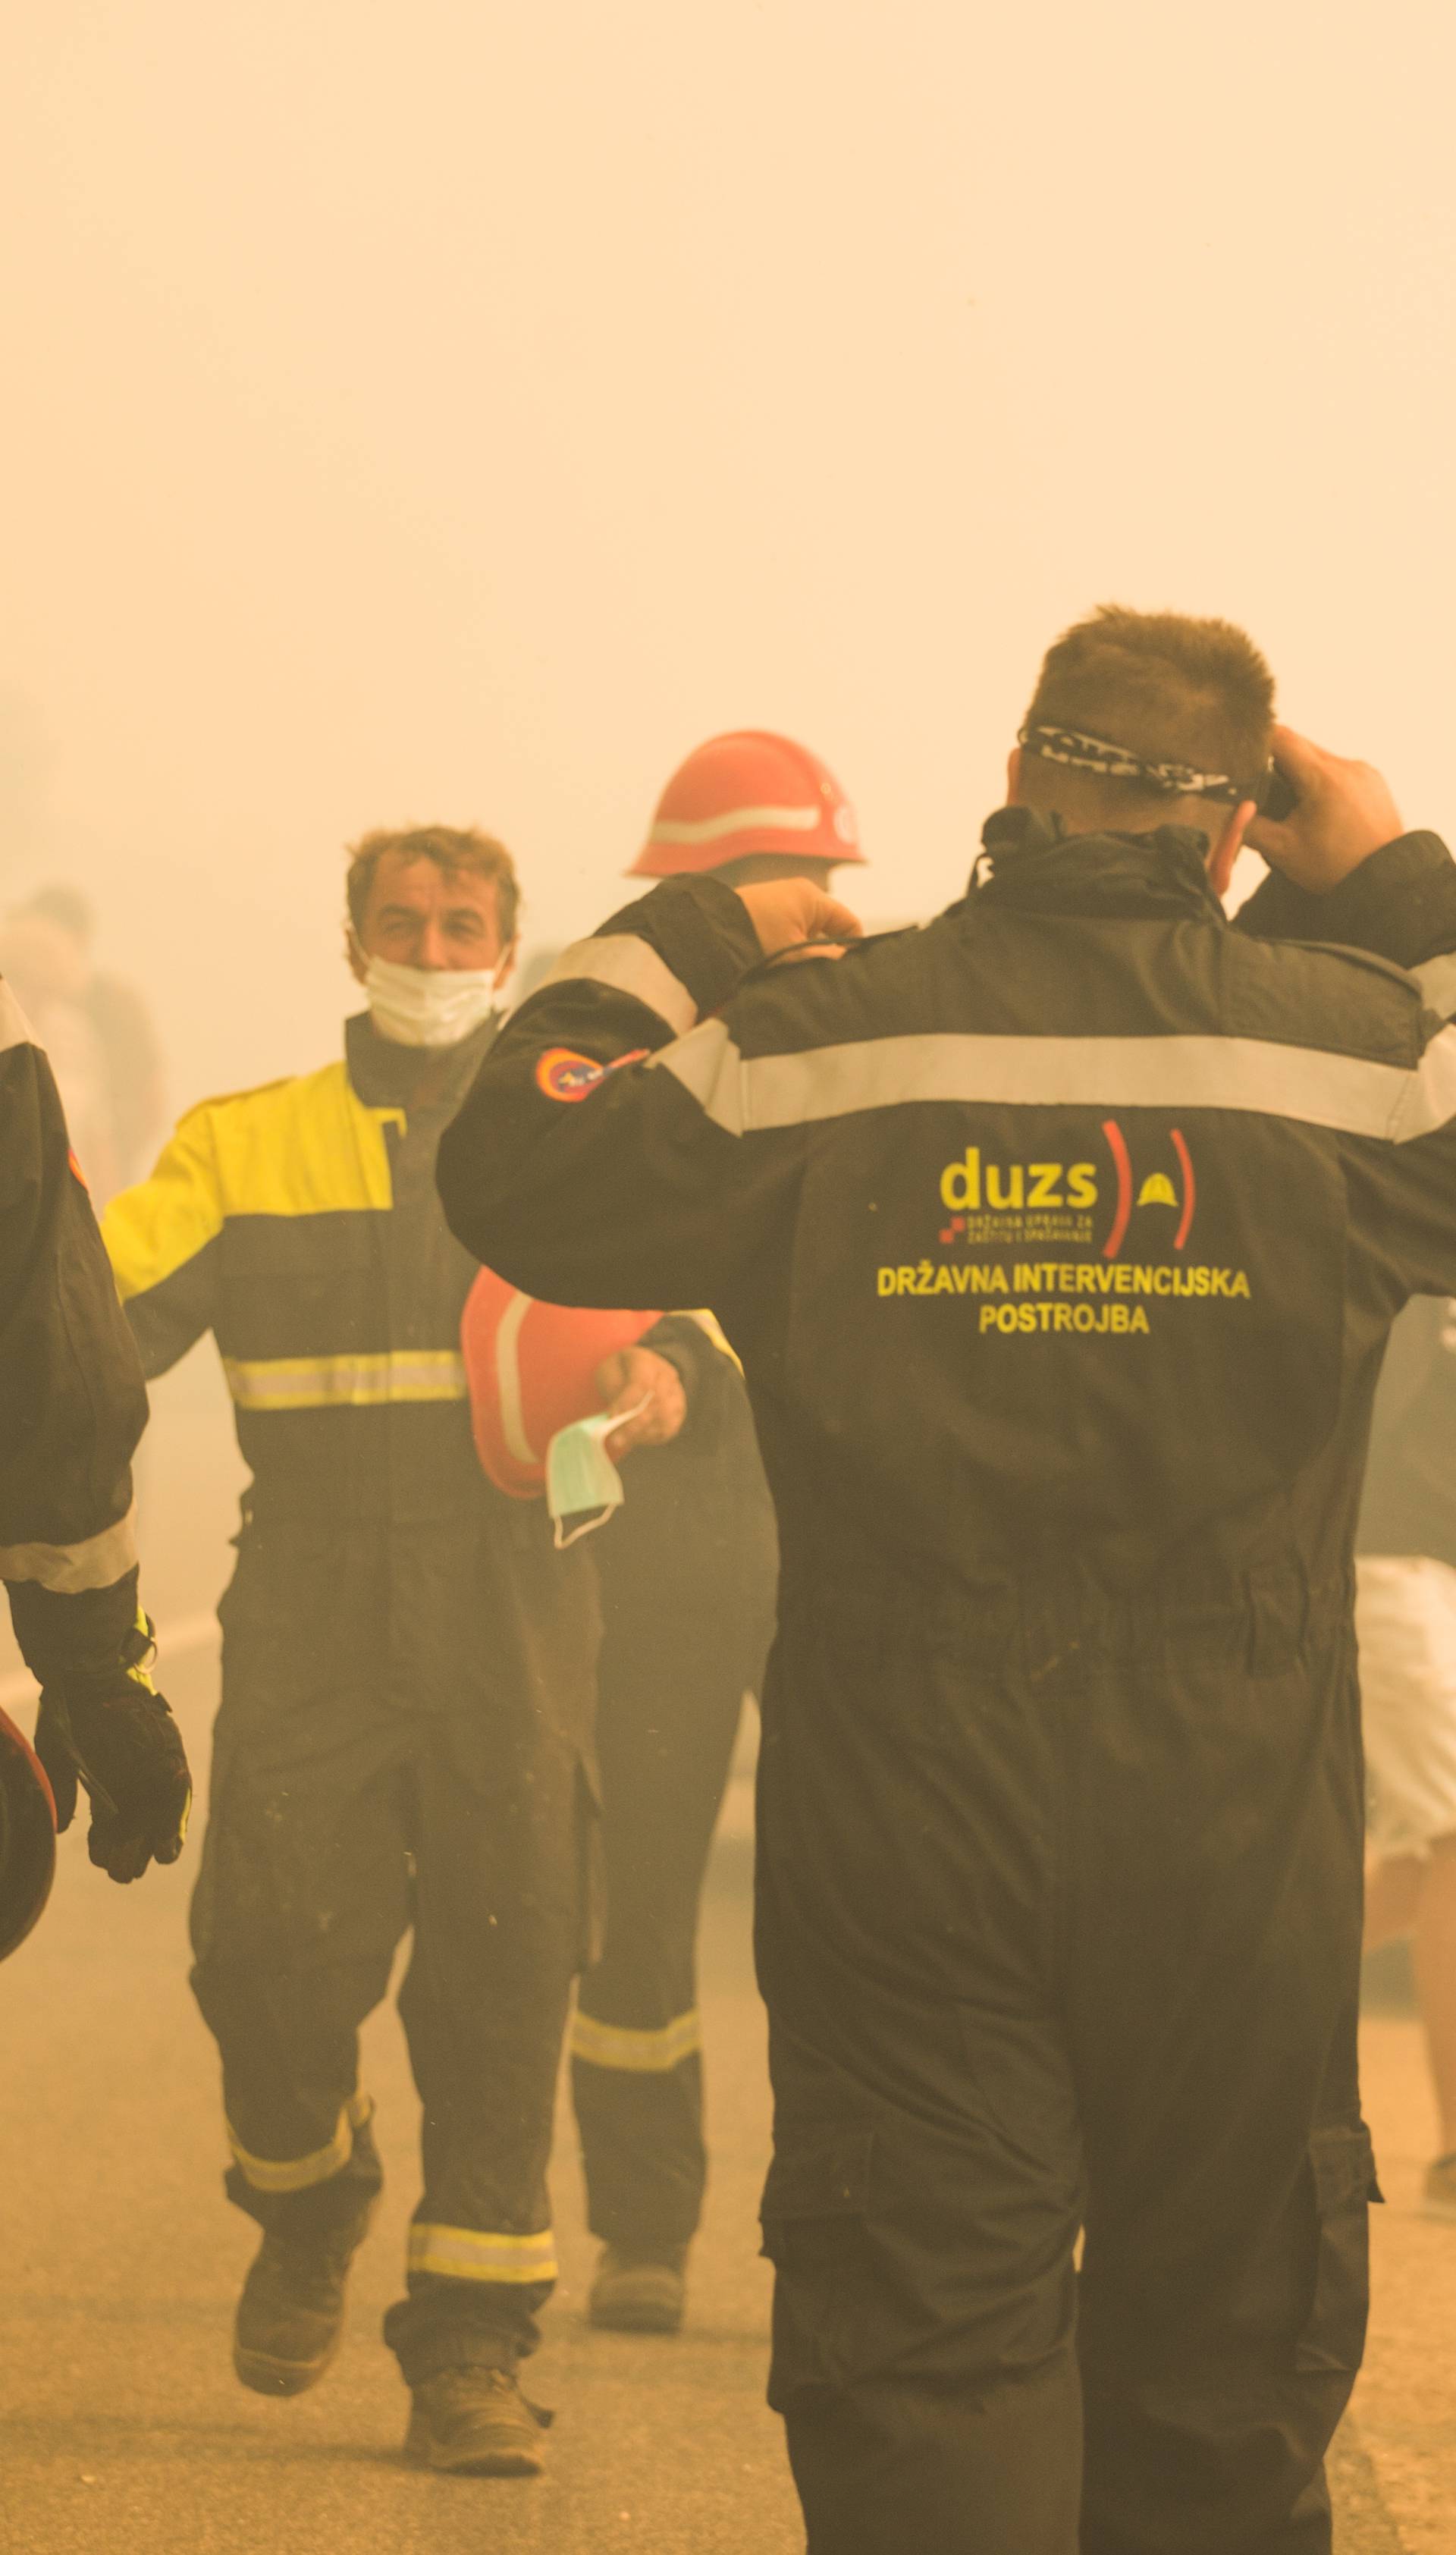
98	1561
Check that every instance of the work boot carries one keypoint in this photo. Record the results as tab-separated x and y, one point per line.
475	2421
1438	2200
290	2316
638	2292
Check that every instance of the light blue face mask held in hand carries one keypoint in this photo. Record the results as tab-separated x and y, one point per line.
583	1482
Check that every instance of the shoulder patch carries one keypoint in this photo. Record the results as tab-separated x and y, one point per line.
563	1075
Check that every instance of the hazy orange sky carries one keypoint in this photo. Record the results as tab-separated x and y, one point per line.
454	411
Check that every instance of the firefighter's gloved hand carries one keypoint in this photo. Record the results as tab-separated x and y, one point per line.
118	1739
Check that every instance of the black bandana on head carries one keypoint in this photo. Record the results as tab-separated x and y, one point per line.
1118	763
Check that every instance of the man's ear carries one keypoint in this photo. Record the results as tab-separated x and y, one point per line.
1013	778
1225	851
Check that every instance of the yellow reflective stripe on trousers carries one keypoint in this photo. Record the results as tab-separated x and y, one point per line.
468	2254
641	2053
299	2173
340	1383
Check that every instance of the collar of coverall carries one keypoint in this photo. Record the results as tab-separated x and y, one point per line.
1033	861
387	1075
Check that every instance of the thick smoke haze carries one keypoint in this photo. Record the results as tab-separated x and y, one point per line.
455	412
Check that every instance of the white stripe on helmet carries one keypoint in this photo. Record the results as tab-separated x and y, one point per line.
711	829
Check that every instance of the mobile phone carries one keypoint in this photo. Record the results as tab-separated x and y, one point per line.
1278	796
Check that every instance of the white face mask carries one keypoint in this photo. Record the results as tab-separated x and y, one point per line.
583	1485
428	1006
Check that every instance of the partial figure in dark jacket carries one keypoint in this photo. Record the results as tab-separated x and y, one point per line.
687	1569
73	1406
689	1575
1405	1616
1060	1242
407	1676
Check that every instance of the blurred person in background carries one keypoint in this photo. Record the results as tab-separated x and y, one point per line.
1060	1242
1406	1618
688	1570
407	1676
72	1406
108	1062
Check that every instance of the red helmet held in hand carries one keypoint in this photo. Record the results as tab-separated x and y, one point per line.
27	1837
530	1368
749	792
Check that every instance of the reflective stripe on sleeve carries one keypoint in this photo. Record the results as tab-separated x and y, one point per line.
331	1382
631	966
1350	1095
467	2253
68	1568
299	2173
639	2053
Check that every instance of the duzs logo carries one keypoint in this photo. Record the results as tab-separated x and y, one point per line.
968	1187
974	1186
563	1074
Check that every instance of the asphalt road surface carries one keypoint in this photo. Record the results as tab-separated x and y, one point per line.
122	2426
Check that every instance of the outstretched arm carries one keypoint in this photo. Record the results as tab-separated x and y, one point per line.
602	1157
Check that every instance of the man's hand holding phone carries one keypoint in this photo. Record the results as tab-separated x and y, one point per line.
1343	811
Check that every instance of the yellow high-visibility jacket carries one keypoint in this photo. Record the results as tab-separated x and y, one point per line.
298	1224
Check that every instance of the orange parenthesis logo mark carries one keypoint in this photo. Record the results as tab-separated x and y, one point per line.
563	1074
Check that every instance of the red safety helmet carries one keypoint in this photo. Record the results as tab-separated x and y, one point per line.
750	792
27	1837
531	1369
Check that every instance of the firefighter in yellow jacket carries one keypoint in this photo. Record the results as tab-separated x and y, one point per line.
408	1676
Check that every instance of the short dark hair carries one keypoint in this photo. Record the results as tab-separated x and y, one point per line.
1168	687
451	848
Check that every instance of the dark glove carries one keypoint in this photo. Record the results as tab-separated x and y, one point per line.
119	1739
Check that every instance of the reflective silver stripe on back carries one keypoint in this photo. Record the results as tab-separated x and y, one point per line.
15	1029
1351	1095
620	959
68	1568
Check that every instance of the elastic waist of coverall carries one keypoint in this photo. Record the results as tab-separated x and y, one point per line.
1264	1618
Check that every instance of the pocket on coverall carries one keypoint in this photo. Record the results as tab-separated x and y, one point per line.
815	2202
1342	2172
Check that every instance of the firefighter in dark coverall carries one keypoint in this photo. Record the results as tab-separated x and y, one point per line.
73	1406
1060	1242
407	1676
688	1570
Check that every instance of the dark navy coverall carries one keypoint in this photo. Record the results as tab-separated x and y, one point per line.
1060	1242
407	1687
687	1568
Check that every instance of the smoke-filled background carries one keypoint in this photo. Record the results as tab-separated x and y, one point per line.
424	409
